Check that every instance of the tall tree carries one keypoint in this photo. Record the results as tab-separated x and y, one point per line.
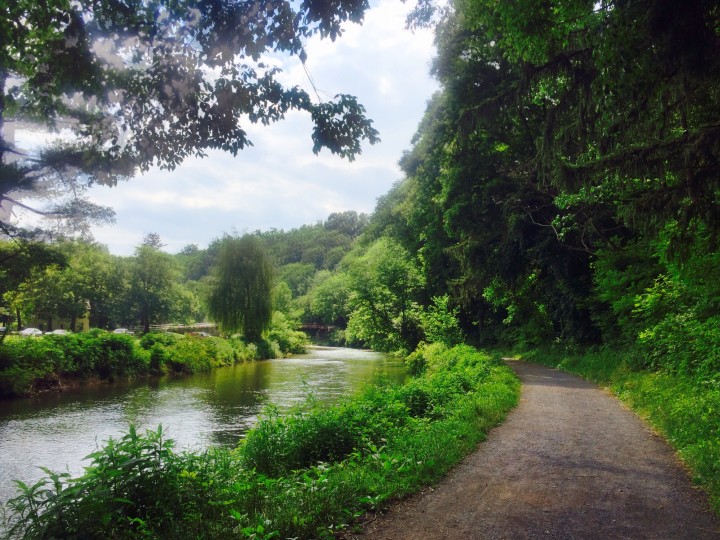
241	299
152	275
18	261
575	144
385	283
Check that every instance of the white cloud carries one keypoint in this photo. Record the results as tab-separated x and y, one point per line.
279	182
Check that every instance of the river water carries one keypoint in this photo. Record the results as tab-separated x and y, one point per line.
57	431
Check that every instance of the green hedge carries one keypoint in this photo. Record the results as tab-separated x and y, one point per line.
29	364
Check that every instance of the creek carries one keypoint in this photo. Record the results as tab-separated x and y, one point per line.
58	430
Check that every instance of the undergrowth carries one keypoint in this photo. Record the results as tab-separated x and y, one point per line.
683	407
309	474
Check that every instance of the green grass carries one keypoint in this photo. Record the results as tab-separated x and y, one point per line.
684	409
308	474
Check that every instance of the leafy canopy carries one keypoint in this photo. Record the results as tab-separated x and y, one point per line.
144	83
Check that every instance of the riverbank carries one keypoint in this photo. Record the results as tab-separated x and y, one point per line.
681	407
52	363
198	411
308	474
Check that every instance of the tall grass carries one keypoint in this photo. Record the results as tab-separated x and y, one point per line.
684	408
308	474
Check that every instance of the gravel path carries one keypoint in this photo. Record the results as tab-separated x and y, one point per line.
569	462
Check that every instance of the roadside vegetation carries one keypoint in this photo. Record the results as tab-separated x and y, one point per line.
309	474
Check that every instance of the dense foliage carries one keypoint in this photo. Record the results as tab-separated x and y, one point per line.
563	185
29	365
306	475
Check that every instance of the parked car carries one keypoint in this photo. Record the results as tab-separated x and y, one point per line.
31	332
121	331
58	332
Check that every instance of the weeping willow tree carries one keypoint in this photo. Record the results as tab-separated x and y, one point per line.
240	300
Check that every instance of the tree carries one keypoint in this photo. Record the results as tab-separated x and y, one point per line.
152	280
565	180
19	260
385	284
349	223
330	299
150	82
241	299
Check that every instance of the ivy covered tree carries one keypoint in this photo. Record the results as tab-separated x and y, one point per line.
148	83
564	183
241	297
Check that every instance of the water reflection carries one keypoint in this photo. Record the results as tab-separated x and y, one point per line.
57	431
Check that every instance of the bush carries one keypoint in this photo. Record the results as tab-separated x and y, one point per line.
415	361
17	381
159	359
278	445
243	352
116	356
440	322
684	344
28	363
189	355
282	332
166	339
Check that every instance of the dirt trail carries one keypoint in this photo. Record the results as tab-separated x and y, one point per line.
570	462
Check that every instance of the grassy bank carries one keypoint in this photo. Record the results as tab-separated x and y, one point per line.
32	364
308	474
684	408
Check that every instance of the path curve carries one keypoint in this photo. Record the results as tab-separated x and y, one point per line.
569	462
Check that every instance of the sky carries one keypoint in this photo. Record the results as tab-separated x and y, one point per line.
279	183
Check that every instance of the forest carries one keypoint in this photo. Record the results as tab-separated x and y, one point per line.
560	202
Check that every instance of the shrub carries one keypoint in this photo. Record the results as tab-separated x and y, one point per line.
243	352
440	322
166	339
287	338
278	445
159	359
189	355
116	356
27	362
415	361
684	344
